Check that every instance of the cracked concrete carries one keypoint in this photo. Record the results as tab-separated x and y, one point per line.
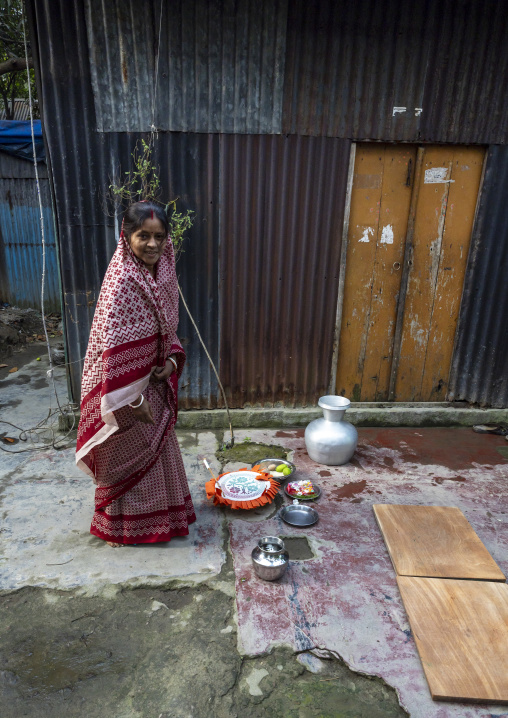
186	629
138	631
346	599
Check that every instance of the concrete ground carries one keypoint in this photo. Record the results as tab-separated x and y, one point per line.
186	629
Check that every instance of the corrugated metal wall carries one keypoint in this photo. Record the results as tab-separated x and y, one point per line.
20	237
82	162
393	71
282	202
220	65
396	70
480	363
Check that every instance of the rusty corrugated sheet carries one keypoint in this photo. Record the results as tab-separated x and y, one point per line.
20	236
466	88
480	361
82	162
345	67
220	67
398	70
282	205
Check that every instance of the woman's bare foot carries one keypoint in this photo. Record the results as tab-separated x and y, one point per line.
111	543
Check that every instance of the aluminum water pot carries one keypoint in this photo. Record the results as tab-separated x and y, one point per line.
331	440
270	558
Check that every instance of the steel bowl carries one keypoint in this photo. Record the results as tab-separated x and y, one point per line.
270	558
297	515
264	463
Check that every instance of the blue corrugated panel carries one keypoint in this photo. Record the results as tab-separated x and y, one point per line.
21	245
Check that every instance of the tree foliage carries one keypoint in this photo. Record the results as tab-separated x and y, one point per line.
13	76
142	183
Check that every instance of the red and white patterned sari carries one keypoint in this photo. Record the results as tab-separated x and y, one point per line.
142	494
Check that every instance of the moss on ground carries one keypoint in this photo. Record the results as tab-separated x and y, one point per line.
250	452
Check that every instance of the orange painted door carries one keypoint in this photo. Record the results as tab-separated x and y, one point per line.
410	226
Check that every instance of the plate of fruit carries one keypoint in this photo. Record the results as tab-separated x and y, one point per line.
279	469
303	490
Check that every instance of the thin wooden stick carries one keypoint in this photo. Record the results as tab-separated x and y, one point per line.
207	465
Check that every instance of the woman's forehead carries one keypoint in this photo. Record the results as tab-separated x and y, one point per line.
152	225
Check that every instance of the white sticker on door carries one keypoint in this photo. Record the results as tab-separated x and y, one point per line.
436	174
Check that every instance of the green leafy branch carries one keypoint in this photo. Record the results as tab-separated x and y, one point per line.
179	224
143	183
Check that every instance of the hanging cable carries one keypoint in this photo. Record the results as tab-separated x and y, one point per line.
70	409
154	133
45	431
153	128
229	444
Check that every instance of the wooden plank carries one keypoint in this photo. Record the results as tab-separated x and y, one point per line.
342	272
399	168
406	268
466	173
434	541
361	250
377	228
428	237
443	225
461	633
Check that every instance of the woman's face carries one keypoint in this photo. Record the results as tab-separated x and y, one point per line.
149	242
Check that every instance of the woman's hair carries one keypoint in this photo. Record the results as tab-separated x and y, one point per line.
138	212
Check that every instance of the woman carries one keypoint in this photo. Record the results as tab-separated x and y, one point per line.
126	437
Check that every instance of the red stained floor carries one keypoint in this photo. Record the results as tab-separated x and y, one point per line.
346	598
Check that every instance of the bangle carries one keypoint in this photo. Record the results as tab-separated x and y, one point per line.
136	406
174	362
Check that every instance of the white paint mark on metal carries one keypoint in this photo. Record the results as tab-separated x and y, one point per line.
436	175
398	111
387	235
365	235
418	111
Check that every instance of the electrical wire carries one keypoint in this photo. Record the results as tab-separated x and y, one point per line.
70	409
46	425
229	444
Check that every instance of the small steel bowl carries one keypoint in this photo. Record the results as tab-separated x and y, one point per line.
298	515
264	463
270	558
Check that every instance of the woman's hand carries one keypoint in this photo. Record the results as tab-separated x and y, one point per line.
143	413
163	373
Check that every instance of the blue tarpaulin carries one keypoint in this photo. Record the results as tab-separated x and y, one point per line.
16	139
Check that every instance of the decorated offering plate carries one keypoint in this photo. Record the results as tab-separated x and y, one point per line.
242	485
279	469
242	489
303	490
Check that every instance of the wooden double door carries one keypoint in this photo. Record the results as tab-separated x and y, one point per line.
410	224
